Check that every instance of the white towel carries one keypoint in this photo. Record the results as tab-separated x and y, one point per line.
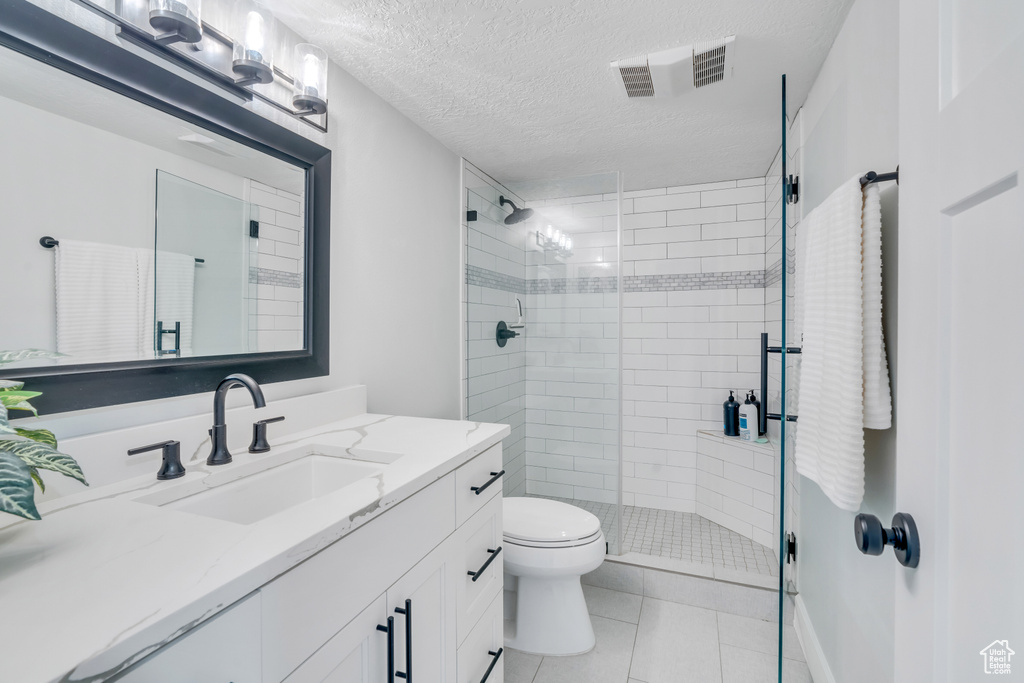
169	296
97	288
844	378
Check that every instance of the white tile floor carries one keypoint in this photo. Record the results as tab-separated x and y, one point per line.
641	639
683	536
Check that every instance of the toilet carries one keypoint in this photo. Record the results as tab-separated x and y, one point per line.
548	546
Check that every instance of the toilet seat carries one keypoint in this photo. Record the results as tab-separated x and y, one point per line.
542	523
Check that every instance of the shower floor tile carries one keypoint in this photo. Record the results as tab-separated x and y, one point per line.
682	536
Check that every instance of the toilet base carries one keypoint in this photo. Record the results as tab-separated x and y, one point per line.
551	617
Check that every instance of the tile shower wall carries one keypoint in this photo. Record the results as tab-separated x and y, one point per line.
693	312
276	269
494	384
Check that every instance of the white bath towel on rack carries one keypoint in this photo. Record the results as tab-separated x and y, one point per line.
169	298
97	294
844	380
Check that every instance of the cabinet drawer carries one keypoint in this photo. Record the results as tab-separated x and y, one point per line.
305	607
475	539
225	648
476	474
475	656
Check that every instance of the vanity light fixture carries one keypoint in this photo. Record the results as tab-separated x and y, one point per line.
310	80
553	239
253	50
177	20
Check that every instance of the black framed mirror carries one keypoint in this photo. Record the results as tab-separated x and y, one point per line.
254	169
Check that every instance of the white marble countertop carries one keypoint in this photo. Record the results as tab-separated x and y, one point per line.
103	580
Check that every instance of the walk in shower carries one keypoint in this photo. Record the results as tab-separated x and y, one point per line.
635	314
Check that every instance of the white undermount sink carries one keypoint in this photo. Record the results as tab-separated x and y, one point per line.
250	497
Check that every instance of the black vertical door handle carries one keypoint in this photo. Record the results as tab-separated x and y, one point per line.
407	674
390	630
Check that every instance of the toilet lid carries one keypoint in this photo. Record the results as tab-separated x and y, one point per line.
538	520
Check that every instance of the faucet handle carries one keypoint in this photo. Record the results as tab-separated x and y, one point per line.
171	467
259	434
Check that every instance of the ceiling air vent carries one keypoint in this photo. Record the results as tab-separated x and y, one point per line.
636	77
670	73
709	62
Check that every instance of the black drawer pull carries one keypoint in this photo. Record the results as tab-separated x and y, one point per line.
408	641
495	476
390	630
479	572
497	656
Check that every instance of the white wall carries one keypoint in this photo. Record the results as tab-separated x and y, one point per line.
849	125
395	272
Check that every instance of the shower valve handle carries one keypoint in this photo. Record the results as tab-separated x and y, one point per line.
503	334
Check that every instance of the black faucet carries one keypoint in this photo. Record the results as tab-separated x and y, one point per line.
219	454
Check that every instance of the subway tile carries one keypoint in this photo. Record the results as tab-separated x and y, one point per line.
668	202
637	221
714	214
739	195
679	233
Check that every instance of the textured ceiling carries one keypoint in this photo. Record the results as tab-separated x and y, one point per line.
523	89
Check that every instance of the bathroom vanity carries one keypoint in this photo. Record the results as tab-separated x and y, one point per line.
318	561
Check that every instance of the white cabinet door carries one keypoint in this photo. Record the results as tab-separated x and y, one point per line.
226	649
426	592
356	654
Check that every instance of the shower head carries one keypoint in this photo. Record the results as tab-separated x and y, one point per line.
518	215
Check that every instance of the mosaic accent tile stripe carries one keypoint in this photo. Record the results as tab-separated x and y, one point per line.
266	276
488	278
737	279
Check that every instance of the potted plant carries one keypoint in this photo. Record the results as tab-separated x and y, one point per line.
23	452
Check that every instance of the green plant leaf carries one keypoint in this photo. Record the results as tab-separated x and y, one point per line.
17	494
37	479
18	400
5	426
44	457
10	385
40	435
27	354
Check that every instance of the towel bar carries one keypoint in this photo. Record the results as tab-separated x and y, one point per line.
764	416
48	242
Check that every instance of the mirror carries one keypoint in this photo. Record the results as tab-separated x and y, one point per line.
158	235
158	225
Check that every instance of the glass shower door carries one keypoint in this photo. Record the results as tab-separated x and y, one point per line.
553	279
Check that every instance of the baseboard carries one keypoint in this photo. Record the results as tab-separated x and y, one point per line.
816	662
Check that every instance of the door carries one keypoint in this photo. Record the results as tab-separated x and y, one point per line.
423	605
960	460
356	654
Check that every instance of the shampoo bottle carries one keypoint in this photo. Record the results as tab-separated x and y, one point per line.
732	416
748	419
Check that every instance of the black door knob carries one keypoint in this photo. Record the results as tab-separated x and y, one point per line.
872	537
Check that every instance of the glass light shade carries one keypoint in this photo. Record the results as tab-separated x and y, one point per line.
310	74
183	17
254	37
550	232
561	240
568	244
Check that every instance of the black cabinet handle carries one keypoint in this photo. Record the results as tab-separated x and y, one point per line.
495	476
496	656
480	572
390	630
407	675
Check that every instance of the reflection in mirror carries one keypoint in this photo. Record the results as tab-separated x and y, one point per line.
169	240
